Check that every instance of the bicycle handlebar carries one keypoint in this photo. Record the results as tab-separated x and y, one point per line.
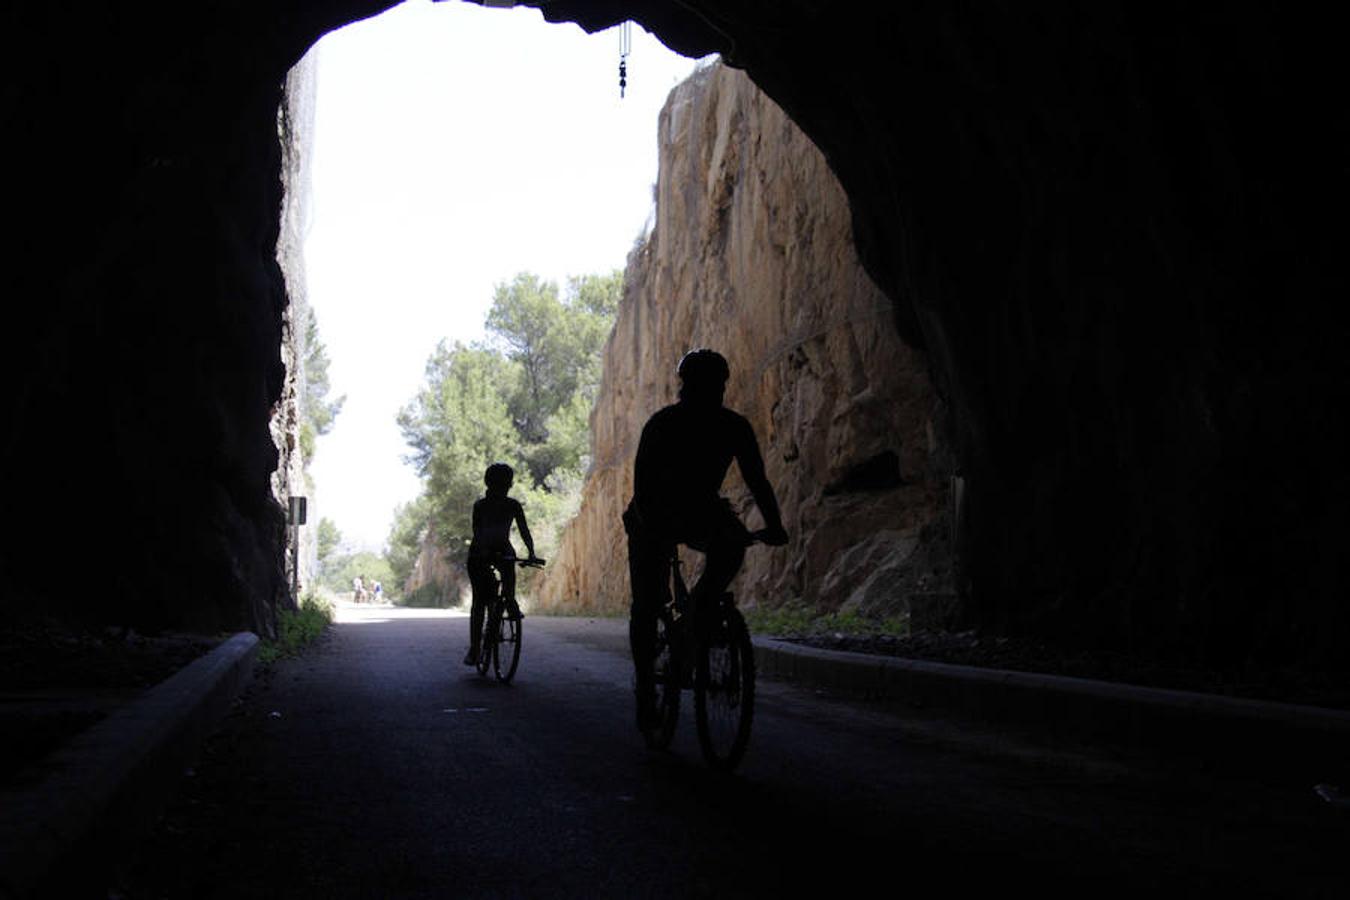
532	562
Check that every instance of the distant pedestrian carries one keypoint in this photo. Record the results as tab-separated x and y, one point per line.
359	589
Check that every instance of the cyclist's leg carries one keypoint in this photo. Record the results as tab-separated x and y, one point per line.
723	543
649	580
507	568
481	584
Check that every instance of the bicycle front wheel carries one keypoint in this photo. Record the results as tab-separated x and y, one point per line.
724	688
506	648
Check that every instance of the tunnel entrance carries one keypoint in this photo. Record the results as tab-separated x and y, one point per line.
1113	235
768	275
433	155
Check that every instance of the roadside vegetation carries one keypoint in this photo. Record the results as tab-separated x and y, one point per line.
426	596
297	629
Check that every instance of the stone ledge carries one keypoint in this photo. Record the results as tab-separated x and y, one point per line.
98	793
1216	731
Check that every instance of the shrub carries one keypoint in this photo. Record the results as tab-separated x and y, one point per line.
428	596
296	629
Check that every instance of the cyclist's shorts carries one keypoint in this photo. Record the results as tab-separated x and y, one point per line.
699	527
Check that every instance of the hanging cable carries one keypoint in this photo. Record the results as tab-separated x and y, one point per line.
625	47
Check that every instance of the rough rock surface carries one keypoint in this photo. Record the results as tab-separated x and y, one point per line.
1116	232
432	568
752	254
290	478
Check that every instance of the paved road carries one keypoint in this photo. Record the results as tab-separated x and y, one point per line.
378	766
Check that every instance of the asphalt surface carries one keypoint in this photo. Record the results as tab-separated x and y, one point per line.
378	766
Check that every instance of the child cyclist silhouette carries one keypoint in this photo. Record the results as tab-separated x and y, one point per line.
491	549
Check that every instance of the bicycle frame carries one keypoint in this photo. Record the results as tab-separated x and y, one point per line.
679	592
681	606
708	650
498	597
684	616
495	621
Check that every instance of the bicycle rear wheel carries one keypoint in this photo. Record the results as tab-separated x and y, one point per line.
488	645
724	688
666	677
506	648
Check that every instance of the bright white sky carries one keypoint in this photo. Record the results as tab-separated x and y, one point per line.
455	146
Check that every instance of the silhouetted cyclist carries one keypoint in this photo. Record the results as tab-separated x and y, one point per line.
682	458
491	549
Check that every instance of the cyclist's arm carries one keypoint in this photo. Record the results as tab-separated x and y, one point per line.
524	530
647	468
751	464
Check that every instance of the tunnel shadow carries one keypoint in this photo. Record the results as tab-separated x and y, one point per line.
790	839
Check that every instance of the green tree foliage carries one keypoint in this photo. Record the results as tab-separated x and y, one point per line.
317	412
328	539
405	538
598	294
557	343
526	318
523	397
456	426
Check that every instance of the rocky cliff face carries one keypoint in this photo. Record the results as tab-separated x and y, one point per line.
296	125
752	254
433	572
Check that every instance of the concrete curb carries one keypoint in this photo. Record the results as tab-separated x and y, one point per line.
97	794
1217	731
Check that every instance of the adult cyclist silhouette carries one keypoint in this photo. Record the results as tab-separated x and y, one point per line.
683	456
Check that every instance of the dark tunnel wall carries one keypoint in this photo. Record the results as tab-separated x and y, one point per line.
1117	232
1114	230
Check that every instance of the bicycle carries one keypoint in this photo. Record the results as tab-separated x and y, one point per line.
500	643
709	651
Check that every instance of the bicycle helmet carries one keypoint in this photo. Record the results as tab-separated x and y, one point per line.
499	475
704	367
